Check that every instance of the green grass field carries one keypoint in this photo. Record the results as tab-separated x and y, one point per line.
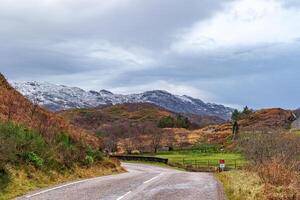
297	132
195	157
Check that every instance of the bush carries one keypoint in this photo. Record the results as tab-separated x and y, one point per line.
89	160
18	144
275	158
64	140
170	122
94	153
33	158
166	122
264	147
15	141
4	179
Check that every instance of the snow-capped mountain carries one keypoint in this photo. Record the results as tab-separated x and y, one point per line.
60	97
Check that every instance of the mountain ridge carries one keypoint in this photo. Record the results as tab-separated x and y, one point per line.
60	97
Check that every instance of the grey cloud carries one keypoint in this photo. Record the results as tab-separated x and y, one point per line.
30	29
55	42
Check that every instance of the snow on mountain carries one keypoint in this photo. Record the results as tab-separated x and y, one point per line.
60	97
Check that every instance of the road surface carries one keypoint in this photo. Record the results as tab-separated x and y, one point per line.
142	182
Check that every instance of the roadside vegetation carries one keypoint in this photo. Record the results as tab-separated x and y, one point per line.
242	185
29	161
272	152
273	169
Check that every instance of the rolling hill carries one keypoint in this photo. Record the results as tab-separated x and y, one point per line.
94	119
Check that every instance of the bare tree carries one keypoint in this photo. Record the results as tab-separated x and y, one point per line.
155	136
34	107
110	143
10	102
171	141
112	135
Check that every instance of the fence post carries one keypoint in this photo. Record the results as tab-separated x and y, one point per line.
234	164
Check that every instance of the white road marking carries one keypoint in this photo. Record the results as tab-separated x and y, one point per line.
121	197
152	179
59	187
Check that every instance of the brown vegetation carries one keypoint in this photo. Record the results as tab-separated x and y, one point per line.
42	143
267	119
275	158
133	113
16	108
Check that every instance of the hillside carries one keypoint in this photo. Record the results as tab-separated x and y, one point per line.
130	123
268	119
39	148
262	120
14	107
60	97
133	113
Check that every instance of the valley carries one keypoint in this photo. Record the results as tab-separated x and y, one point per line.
42	148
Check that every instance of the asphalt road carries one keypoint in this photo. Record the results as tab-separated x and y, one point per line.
142	182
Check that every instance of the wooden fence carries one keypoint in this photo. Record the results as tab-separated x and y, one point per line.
140	158
211	164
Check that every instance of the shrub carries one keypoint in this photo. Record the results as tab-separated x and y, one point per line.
275	158
64	140
94	153
4	179
89	160
33	158
166	122
266	146
276	173
15	141
170	122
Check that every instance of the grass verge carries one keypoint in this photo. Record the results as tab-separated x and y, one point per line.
241	185
27	178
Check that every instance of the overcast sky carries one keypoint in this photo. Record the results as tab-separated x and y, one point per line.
243	52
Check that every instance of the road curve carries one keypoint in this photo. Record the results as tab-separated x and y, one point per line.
142	182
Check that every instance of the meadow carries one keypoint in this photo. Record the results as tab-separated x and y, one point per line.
199	158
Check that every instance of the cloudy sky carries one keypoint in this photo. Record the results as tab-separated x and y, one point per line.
235	52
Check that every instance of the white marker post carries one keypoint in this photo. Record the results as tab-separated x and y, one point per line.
222	165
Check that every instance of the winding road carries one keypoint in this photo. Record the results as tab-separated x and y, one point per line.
142	182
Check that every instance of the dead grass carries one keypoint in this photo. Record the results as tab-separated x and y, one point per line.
242	185
28	178
282	181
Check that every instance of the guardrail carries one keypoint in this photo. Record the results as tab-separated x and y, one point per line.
140	158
